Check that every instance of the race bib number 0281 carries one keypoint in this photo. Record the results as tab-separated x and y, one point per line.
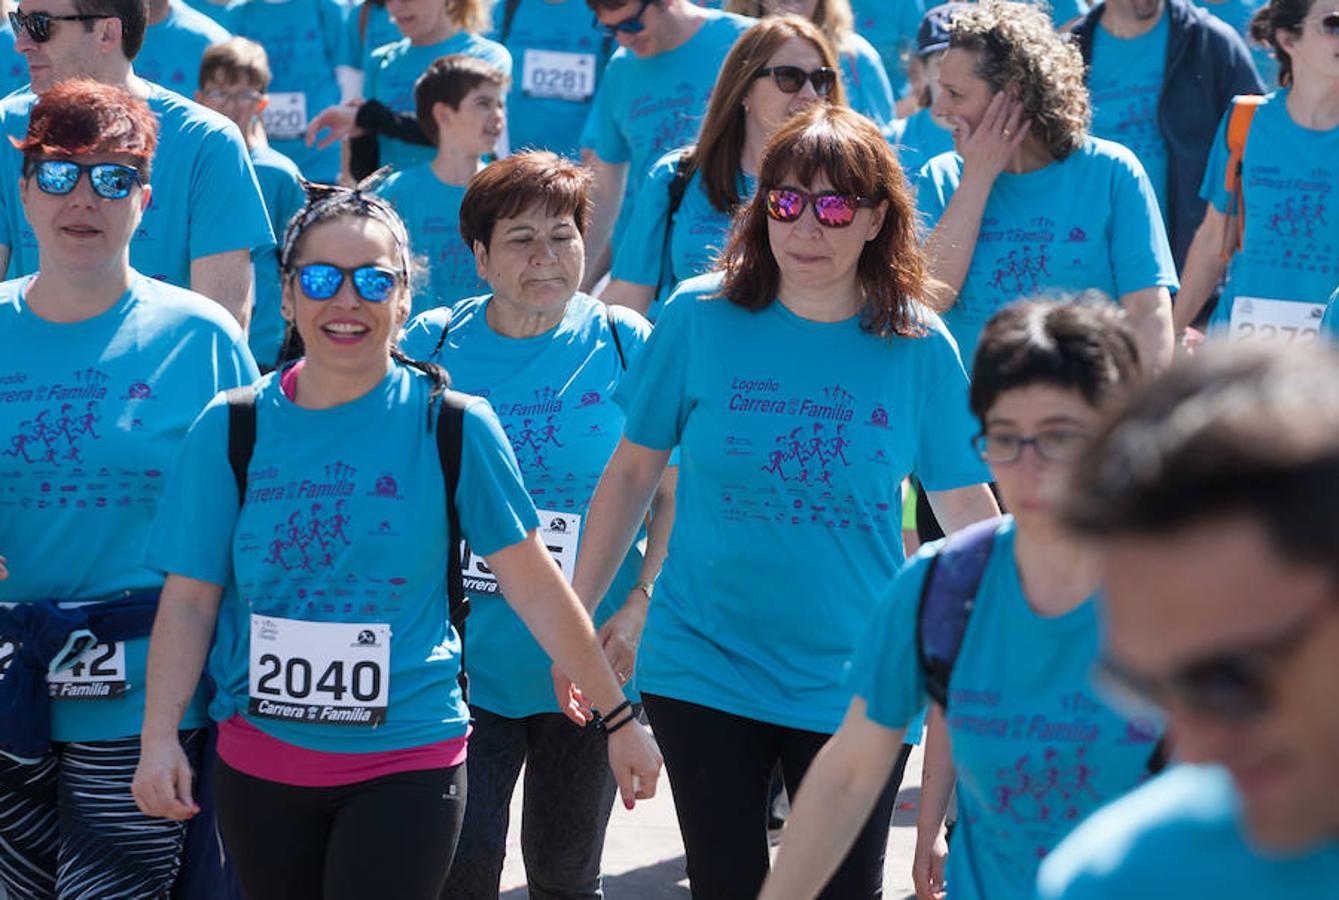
325	673
564	76
1275	321
98	674
559	531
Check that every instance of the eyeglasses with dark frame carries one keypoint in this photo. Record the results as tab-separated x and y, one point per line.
1232	686
38	24
1062	445
631	25
791	79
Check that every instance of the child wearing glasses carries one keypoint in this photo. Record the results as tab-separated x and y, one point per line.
1276	235
682	214
802	384
460	102
1034	747
234	82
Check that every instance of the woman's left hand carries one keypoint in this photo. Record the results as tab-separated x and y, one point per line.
622	633
338	121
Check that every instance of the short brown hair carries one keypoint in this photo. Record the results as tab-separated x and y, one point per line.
236	60
854	155
510	186
449	80
82	116
721	142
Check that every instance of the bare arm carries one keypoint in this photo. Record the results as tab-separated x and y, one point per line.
985	153
4	258
1150	314
227	279
937	778
606	195
626	293
621	635
182	631
839	790
961	507
535	589
1203	268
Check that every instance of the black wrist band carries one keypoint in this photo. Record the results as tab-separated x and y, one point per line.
610	729
600	720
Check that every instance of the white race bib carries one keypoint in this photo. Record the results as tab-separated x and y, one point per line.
285	116
1275	321
564	76
325	673
560	532
98	674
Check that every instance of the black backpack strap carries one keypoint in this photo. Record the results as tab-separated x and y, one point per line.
948	596
441	339
678	187
618	341
508	18
450	438
241	434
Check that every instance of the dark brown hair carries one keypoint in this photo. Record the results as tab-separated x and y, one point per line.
82	116
1280	15
449	80
721	141
1236	431
1085	344
510	186
853	154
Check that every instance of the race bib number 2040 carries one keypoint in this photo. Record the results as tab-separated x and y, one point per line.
324	673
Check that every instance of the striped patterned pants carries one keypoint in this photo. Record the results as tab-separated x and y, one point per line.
70	829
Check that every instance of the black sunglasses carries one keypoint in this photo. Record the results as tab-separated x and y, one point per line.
631	25
791	79
38	24
1232	687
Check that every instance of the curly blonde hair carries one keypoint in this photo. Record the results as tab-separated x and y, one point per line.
1017	48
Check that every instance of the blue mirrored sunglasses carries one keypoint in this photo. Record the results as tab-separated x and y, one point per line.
111	181
321	281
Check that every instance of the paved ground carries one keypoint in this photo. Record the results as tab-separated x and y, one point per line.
643	855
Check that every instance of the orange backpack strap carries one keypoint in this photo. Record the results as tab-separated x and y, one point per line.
1238	127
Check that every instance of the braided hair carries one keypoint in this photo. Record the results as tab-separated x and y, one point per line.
328	202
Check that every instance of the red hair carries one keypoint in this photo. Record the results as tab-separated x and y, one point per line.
81	116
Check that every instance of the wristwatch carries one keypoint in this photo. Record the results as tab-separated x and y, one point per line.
646	587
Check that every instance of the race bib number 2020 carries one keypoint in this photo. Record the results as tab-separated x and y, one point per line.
323	673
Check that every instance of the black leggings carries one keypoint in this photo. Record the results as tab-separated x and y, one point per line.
719	766
389	837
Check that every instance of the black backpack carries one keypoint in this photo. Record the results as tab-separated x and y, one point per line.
948	596
450	434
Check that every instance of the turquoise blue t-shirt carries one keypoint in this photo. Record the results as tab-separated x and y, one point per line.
397	66
794	437
559	58
918	139
645	108
91	416
344	522
374	30
13	65
1180	836
1238	13
1087	221
215	11
699	234
868	90
1124	82
172	48
283	193
890	26
431	211
206	199
305	40
1290	246
553	394
1034	747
